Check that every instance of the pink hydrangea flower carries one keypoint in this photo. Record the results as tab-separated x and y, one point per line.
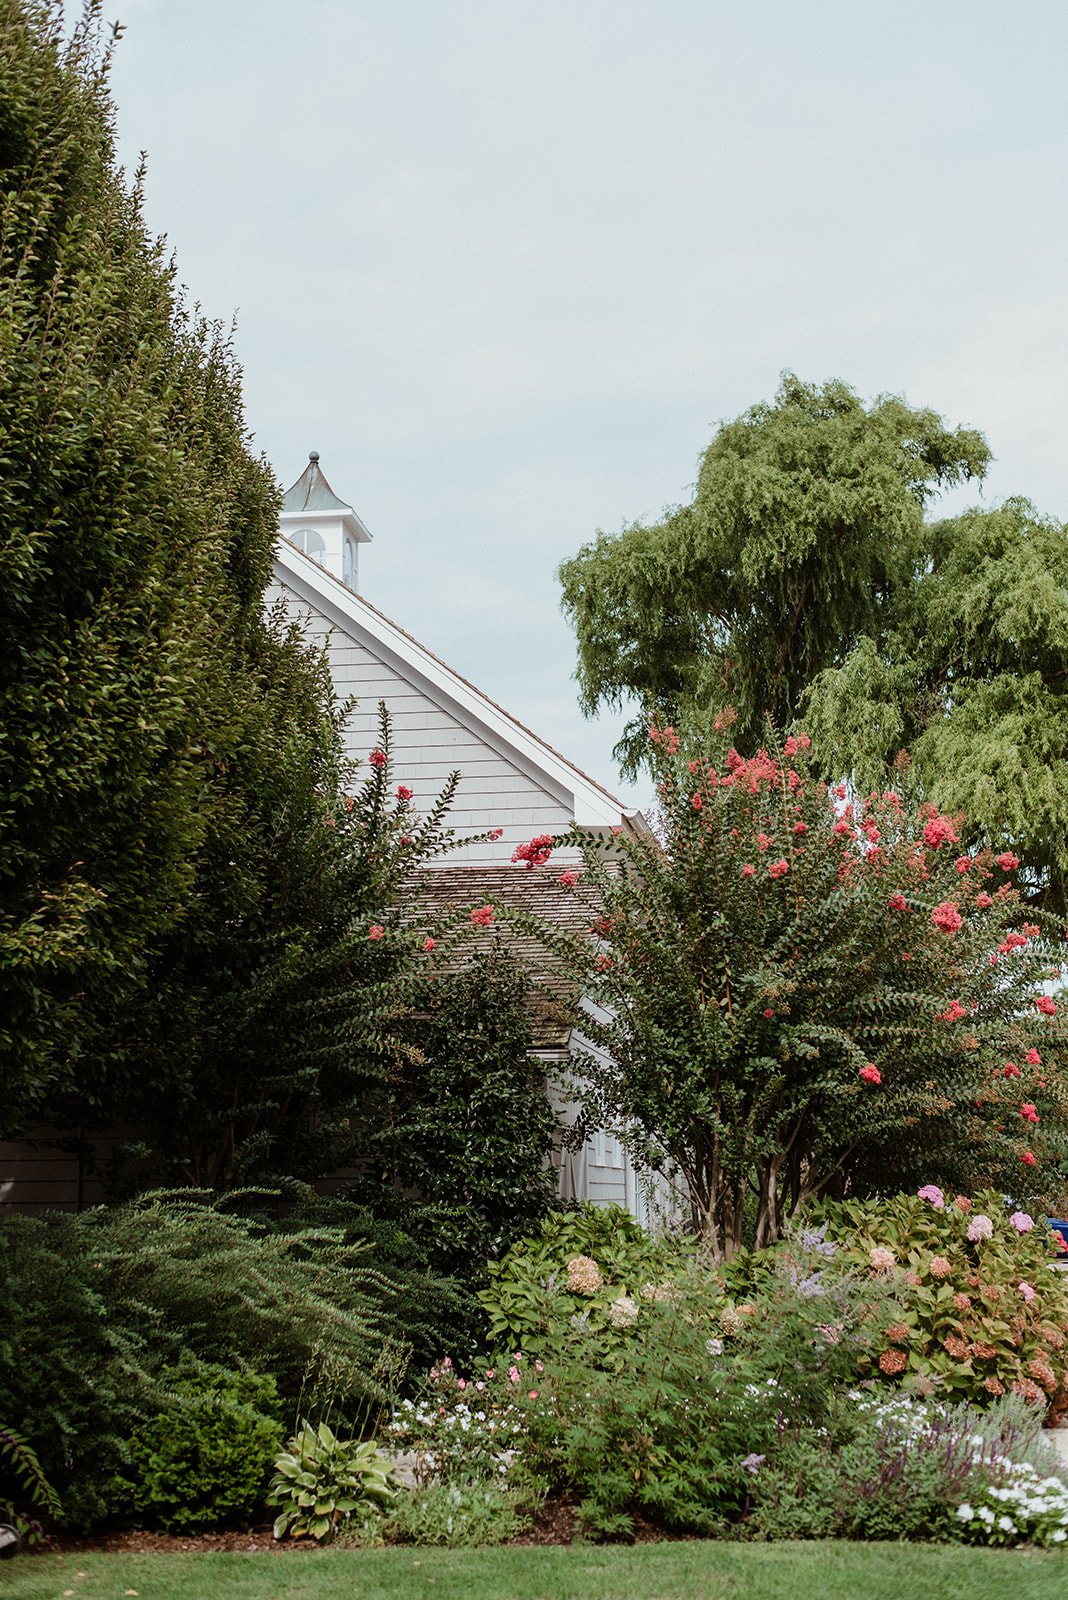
1021	1222
933	1193
980	1227
881	1258
1027	1291
939	1267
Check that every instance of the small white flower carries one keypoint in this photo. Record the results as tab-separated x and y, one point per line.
1007	1524
1059	1537
965	1512
985	1514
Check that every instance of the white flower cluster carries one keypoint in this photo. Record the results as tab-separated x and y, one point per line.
454	1436
1026	1508
622	1312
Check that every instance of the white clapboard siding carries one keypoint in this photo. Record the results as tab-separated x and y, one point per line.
430	743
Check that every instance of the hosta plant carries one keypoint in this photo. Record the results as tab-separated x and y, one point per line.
320	1481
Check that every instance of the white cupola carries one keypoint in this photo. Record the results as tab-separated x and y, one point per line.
324	527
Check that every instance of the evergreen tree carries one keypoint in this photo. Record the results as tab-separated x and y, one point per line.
145	703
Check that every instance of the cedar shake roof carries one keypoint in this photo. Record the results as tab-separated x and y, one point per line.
539	893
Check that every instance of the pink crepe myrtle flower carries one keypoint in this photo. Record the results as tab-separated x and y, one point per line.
778	869
695	801
1027	1291
1029	1112
1011	1070
790	747
428	944
403	792
763	841
376	931
603	964
568	879
983	900
896	902
769	1012
800	827
946	916
1028	1159
1021	1222
870	1073
953	1012
496	833
748	871
933	1193
963	863
1007	861
536	853
1046	1005
377	758
842	828
939	831
980	1227
1033	1058
483	917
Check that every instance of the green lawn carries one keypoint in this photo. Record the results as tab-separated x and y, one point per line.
698	1571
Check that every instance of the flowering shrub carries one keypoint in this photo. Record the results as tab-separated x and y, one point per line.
800	990
569	1282
460	1428
976	1311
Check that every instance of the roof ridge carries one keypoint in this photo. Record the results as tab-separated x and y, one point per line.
353	595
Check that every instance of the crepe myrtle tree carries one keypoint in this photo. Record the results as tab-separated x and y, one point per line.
797	992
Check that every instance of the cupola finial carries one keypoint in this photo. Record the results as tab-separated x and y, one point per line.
313	455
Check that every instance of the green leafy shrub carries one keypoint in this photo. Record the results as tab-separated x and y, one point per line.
94	1307
24	1488
535	1303
322	1481
975	1309
469	1511
898	1468
206	1458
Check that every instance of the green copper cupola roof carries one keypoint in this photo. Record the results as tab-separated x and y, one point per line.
311	492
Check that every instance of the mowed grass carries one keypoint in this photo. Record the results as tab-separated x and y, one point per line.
701	1570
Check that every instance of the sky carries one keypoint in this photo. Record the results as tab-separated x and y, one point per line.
506	265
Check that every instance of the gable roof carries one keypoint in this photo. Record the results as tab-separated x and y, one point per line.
591	805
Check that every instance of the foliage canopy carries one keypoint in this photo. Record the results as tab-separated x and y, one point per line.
806	524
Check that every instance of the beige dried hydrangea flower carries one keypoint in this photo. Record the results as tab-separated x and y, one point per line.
584	1275
622	1312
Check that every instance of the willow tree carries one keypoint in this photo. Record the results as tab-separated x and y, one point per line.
806	527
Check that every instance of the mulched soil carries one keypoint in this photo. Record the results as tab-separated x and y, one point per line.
552	1522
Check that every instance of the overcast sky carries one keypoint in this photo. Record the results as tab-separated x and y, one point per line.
507	264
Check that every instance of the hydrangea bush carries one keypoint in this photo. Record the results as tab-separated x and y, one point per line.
976	1310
